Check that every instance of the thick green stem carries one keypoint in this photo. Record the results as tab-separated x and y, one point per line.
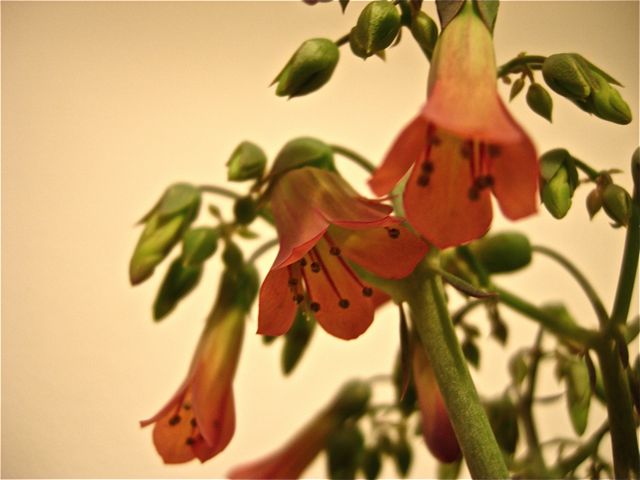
624	442
566	330
515	65
355	157
430	317
592	173
586	286
225	192
628	270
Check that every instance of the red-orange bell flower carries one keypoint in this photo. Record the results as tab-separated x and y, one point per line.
462	144
199	420
323	224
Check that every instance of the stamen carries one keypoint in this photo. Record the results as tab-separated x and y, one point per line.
494	151
343	303
315	307
367	291
466	149
190	441
174	420
315	267
298	298
335	251
427	166
334	287
393	232
293	282
194	423
423	180
186	406
474	193
433	139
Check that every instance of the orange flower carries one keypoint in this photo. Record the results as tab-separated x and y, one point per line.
323	224
199	420
463	144
436	427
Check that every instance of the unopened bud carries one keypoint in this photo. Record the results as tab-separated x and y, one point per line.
503	252
516	88
559	181
539	100
164	226
177	284
344	448
296	340
198	244
245	210
616	202
247	162
232	256
503	416
377	26
425	32
594	202
576	376
403	456
303	152
371	463
586	85
353	399
310	67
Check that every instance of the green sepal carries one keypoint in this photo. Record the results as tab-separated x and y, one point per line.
503	252
576	376
559	180
310	67
199	244
488	10
247	162
448	10
449	471
516	88
177	284
303	152
344	449
425	32
540	101
617	204
296	340
402	456
377	26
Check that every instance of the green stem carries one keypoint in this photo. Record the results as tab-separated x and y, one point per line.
342	40
583	452
430	317
624	442
592	173
224	192
628	270
265	247
533	62
567	330
588	289
355	157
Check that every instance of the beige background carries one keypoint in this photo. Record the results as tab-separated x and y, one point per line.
105	104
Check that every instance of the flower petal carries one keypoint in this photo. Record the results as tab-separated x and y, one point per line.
442	211
516	177
276	307
328	287
171	432
225	429
404	152
380	250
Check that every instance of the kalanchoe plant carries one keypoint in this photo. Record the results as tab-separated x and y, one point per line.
342	255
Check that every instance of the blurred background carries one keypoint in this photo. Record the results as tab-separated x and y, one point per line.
106	104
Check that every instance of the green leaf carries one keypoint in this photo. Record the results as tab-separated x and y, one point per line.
540	101
344	448
371	463
576	377
516	88
177	284
198	244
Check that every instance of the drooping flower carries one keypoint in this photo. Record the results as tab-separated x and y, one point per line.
437	431
296	455
323	224
199	420
463	144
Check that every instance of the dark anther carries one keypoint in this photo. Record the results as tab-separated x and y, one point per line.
335	251
367	291
187	406
474	193
315	267
343	303
174	420
303	262
427	167
434	140
494	151
466	149
194	424
293	282
298	298
190	441
423	180
315	307
488	181
483	182
393	232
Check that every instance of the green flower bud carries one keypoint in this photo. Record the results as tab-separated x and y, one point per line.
371	463
177	284
518	367
164	226
425	32
377	26
616	202
232	256
198	244
245	210
303	152
402	455
247	162
356	47
594	202
247	285
576	376
559	181
344	448
586	85
503	417
352	400
516	88
406	403
471	352
503	252
310	67
539	100
296	340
